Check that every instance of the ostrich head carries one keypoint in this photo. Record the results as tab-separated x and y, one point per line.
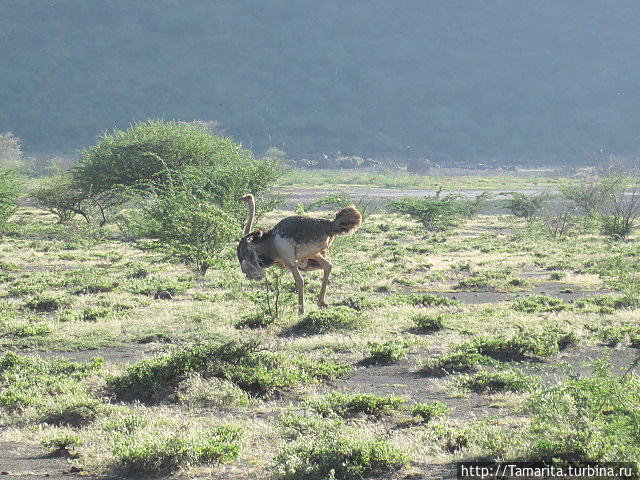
252	263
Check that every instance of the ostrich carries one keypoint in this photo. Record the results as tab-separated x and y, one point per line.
297	243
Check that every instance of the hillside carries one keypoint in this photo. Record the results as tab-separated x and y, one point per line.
508	80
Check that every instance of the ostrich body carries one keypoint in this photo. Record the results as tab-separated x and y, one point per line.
298	243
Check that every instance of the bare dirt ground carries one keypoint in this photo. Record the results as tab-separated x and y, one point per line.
24	461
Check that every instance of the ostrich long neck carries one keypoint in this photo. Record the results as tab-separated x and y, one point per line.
251	207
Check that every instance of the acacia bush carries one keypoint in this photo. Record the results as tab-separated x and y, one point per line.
9	191
183	181
619	214
187	225
10	151
590	194
439	212
61	197
525	206
147	151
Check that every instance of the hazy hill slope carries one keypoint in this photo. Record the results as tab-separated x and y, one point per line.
469	79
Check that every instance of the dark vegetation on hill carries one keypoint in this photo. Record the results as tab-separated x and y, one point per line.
493	80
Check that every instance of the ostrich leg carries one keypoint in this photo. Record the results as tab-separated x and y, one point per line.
286	251
326	266
299	286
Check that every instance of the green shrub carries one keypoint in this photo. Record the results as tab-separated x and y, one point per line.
634	338
593	418
525	206
390	351
52	386
539	303
92	314
149	151
350	404
187	225
521	344
339	456
160	454
187	181
359	303
431	300
9	192
150	286
62	443
123	420
331	320
590	194
255	320
245	364
498	381
96	285
31	327
612	335
60	196
427	412
608	303
307	423
198	392
429	323
74	409
47	303
620	212
436	212
454	362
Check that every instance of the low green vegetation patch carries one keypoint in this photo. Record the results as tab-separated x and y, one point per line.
390	351
150	286
498	381
429	323
62	444
206	393
521	344
49	390
339	456
331	319
490	281
47	302
156	453
350	404
426	412
247	365
256	320
593	418
438	212
431	300
540	303
607	303
613	335
454	362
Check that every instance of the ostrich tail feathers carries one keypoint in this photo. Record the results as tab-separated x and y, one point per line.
347	220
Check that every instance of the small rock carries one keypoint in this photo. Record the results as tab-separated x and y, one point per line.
75	469
162	295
